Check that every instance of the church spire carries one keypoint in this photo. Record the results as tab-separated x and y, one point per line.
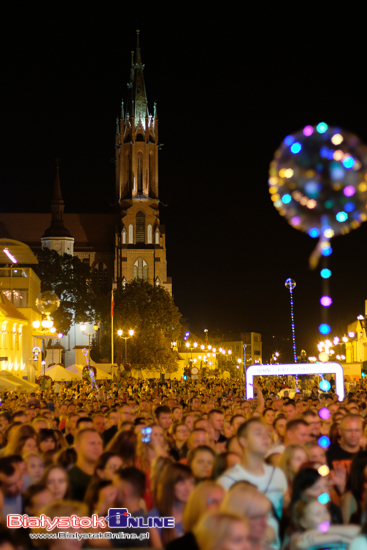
57	228
138	107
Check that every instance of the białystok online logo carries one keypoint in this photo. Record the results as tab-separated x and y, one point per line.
117	518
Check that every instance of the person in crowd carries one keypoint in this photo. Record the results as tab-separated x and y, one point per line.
13	483
313	529
107	464
124	444
216	419
46	440
201	461
206	497
351	431
71	427
129	486
291	460
176	485
254	438
308	483
88	446
352	501
35	498
247	501
57	481
222	531
35	466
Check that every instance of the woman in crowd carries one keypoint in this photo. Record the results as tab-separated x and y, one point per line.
22	445
106	466
268	417
59	509
291	460
313	529
57	480
124	444
147	452
175	486
308	483
222	531
46	440
35	466
201	461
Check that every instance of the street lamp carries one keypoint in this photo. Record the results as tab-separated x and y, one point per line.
83	328
126	338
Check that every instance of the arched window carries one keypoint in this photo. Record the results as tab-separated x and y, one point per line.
157	282
140	227
123	282
140	269
124	236
140	173
131	234
150	235
157	236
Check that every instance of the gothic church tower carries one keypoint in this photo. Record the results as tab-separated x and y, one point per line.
141	241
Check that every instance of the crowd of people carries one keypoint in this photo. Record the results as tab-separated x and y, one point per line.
285	470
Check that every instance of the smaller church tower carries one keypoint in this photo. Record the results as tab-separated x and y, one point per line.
57	237
141	240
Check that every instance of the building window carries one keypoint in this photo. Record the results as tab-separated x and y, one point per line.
150	235
124	236
101	274
18	297
131	234
123	282
140	269
140	174
157	282
140	227
157	236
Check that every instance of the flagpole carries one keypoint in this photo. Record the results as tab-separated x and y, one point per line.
112	306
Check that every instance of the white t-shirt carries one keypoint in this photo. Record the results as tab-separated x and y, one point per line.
272	483
359	543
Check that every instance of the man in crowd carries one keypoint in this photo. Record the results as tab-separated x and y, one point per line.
88	446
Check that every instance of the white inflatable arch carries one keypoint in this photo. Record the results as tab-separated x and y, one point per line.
293	369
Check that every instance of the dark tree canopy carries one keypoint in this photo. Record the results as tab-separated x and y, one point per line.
70	279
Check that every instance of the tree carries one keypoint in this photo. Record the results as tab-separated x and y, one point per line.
149	310
70	279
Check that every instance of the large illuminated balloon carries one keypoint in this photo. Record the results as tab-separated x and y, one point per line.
318	181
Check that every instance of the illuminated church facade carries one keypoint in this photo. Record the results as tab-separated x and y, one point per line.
129	243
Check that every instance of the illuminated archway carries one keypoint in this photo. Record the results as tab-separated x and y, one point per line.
295	368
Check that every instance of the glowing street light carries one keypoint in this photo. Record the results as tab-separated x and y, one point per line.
126	338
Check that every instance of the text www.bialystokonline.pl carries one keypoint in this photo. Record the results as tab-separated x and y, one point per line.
86	536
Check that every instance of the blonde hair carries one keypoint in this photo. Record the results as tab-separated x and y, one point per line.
196	505
245	499
60	508
286	457
213	530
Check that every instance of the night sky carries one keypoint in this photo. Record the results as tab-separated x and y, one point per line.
230	85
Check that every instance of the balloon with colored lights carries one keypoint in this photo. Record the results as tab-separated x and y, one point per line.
324	385
324	442
324	413
318	181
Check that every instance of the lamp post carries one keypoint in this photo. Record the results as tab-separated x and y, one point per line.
47	302
126	338
191	347
89	334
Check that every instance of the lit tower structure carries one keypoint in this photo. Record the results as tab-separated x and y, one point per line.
140	241
291	285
